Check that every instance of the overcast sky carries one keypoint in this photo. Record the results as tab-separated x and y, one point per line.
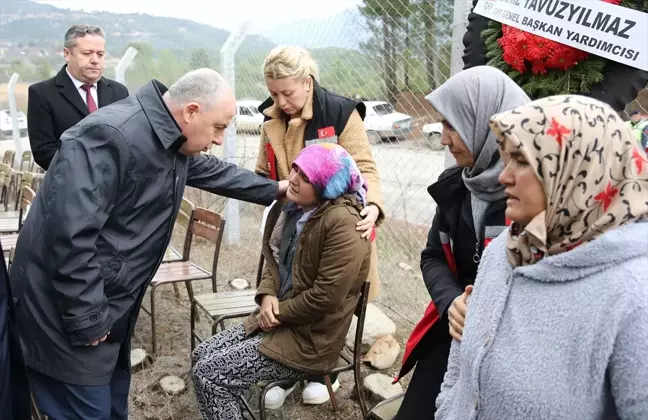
226	14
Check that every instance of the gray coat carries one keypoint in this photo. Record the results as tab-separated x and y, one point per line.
563	339
98	229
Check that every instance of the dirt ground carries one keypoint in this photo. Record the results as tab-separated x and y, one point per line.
147	399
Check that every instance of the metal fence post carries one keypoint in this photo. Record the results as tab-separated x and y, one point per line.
13	111
228	71
462	9
122	66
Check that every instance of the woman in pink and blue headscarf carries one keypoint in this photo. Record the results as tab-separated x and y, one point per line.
316	265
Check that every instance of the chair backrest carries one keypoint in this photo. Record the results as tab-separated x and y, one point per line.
38	181
9	157
26	160
27	196
27	179
5	172
209	225
185	215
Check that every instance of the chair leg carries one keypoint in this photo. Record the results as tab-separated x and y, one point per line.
17	198
262	407
192	322
190	292
218	322
247	407
358	386
329	388
153	324
176	291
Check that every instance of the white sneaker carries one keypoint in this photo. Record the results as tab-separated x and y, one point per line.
276	396
316	393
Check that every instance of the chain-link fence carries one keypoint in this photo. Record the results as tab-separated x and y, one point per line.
390	54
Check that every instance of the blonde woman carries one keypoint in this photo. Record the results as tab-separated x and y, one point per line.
298	113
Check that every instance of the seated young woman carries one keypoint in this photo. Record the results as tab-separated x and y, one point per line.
316	264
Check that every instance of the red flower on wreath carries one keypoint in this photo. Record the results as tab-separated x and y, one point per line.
522	49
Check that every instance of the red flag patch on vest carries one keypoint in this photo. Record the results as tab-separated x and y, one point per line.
325	132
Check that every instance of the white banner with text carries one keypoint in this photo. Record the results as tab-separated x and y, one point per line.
613	32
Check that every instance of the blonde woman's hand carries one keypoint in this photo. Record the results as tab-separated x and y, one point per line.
370	214
457	314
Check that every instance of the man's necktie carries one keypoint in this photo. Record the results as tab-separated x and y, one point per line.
92	105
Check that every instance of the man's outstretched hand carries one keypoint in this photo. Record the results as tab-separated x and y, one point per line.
281	191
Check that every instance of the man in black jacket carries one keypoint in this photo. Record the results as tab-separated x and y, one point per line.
79	88
14	390
98	228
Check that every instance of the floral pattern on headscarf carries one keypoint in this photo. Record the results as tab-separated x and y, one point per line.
593	171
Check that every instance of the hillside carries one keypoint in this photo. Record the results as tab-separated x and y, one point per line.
348	48
24	21
31	41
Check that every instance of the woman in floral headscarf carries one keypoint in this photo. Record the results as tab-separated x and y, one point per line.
316	266
558	320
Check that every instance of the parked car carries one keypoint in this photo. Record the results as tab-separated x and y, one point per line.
383	122
248	117
432	133
6	124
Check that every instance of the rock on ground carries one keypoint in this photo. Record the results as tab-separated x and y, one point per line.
172	384
405	266
383	353
377	324
379	387
239	284
138	357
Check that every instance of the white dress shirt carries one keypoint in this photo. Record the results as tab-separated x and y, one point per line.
78	84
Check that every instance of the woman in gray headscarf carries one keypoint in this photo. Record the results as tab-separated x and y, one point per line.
470	213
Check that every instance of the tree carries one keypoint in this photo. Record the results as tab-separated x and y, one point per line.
169	67
199	59
385	20
432	23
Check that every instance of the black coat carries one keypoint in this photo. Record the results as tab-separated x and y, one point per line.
453	220
98	228
14	391
54	105
454	217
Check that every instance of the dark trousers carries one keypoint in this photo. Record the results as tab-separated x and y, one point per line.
420	398
63	401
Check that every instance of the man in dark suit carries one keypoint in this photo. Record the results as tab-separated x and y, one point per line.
59	103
